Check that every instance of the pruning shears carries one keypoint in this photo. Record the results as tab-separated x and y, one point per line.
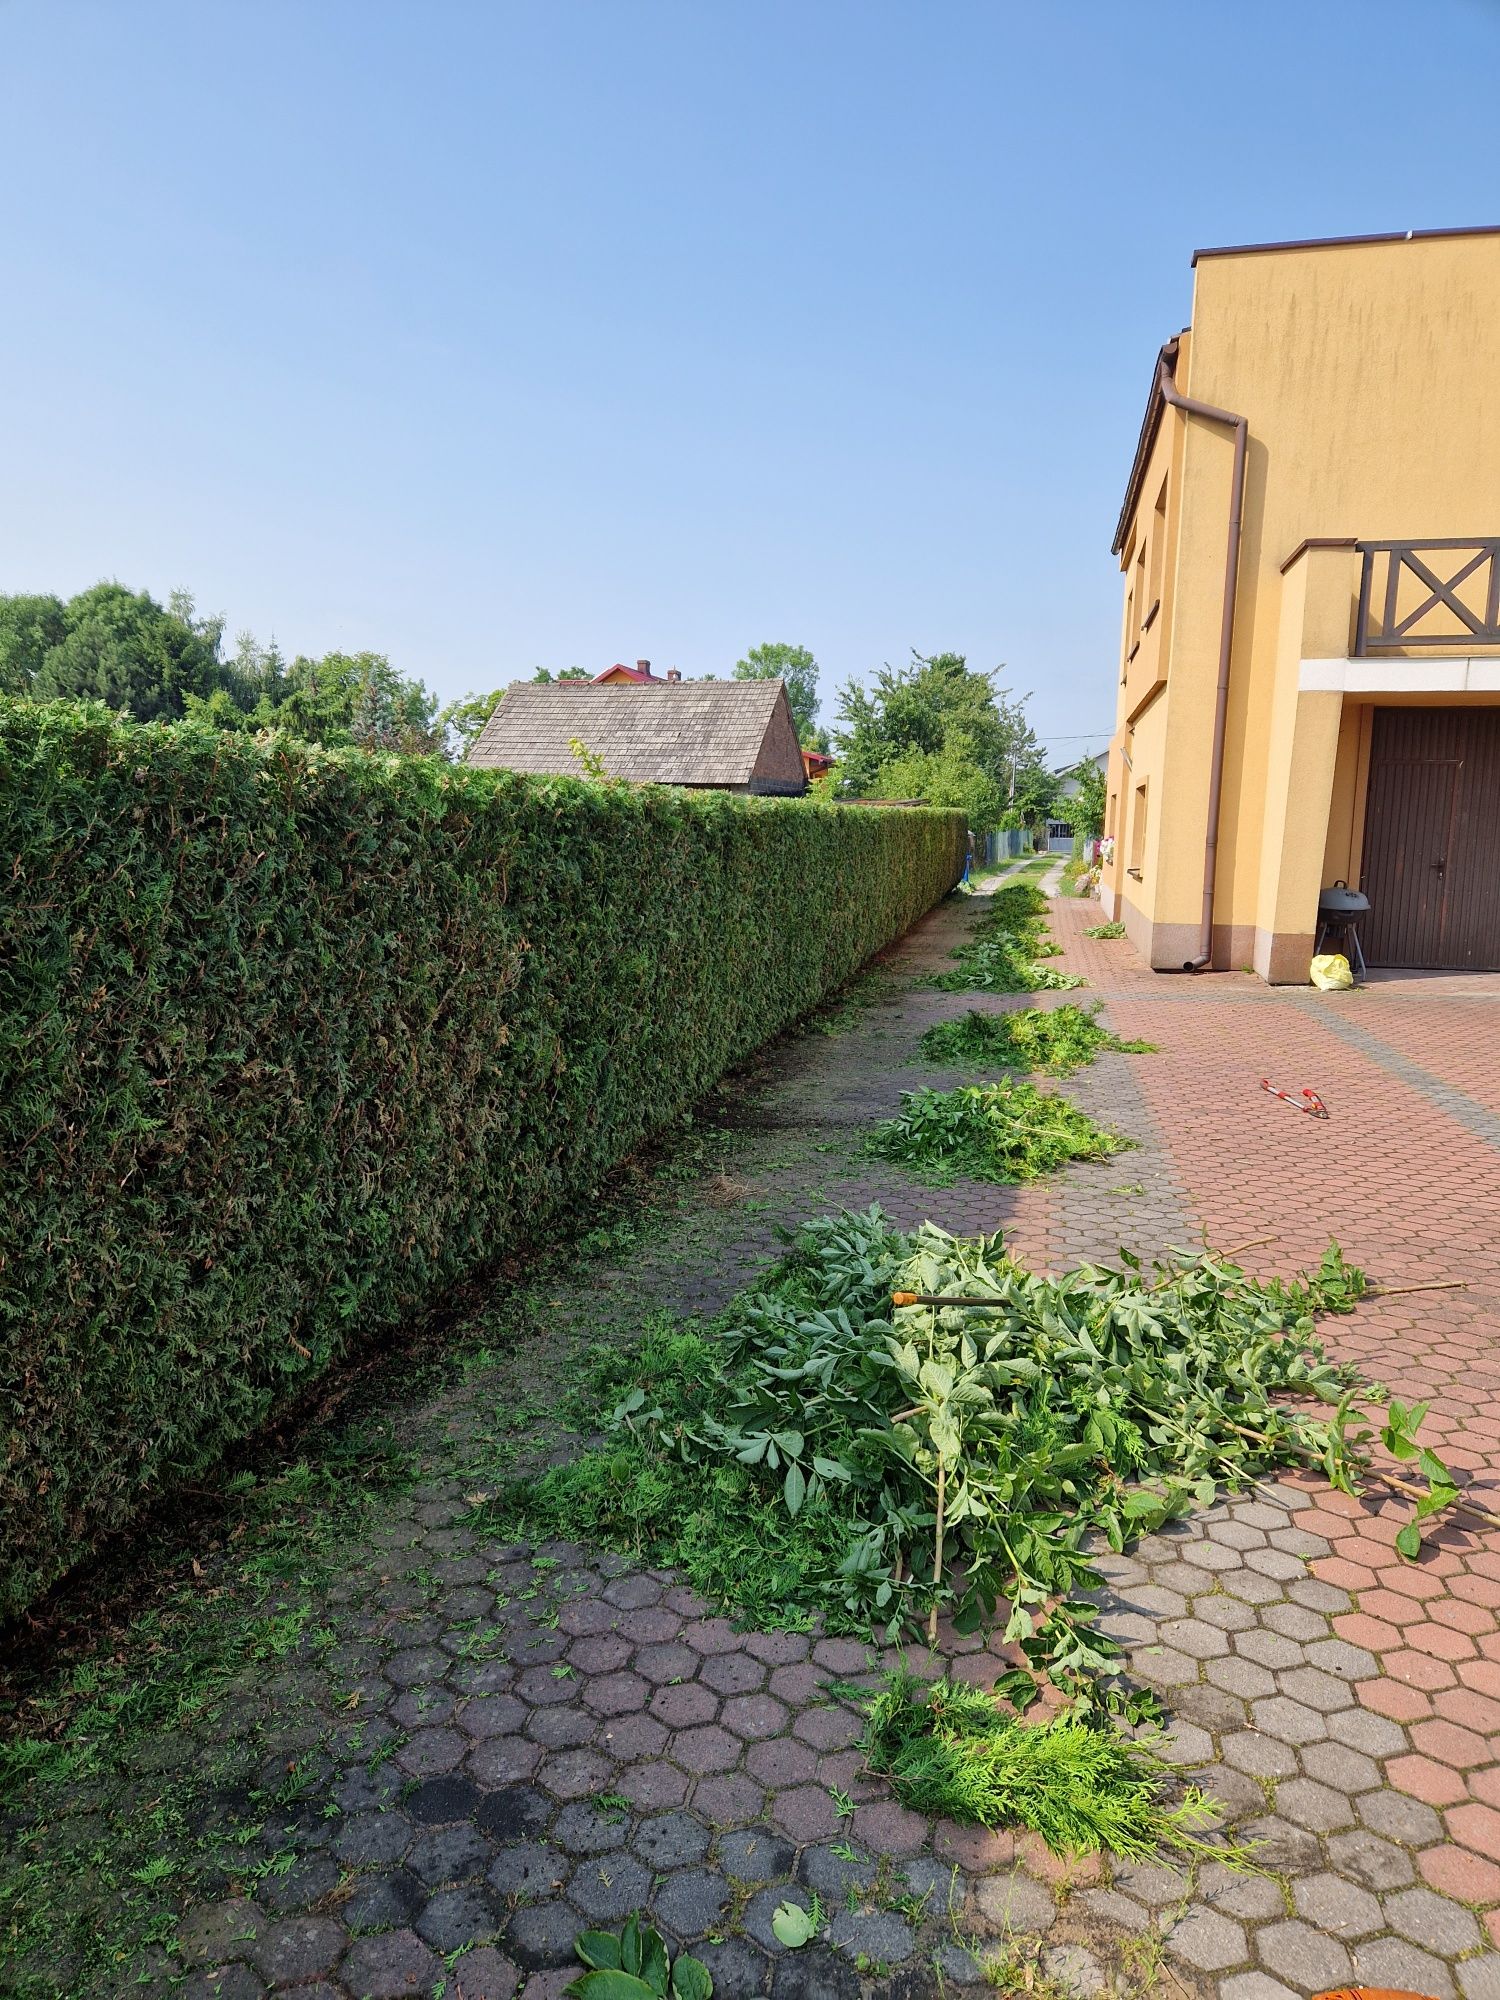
1309	1101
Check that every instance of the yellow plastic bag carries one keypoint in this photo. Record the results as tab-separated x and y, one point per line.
1330	972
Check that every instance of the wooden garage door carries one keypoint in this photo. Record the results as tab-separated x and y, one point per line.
1432	839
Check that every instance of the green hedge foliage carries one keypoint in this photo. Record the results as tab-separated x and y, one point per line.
290	1040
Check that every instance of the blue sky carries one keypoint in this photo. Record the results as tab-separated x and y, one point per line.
490	335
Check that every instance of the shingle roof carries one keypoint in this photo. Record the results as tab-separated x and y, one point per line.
672	733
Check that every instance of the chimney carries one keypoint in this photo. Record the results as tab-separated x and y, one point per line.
643	667
673	675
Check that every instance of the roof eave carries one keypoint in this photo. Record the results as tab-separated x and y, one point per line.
1146	443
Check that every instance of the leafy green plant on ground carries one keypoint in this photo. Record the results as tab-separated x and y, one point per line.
1114	930
634	1966
950	1751
824	1452
1004	1132
1053	1040
1005	946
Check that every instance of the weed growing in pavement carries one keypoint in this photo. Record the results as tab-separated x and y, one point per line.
1007	1131
1114	930
1055	1041
823	1451
951	1752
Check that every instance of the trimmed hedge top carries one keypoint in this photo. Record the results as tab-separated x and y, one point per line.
291	1039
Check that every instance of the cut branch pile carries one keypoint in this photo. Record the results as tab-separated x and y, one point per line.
828	1453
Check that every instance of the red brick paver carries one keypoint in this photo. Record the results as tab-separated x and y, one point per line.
1405	1174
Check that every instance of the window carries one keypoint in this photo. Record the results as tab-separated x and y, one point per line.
1158	547
1138	834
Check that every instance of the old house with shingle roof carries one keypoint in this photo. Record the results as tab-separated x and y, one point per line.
732	736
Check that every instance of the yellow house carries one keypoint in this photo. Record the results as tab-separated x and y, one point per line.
1310	664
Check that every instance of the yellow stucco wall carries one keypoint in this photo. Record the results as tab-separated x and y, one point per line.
1370	378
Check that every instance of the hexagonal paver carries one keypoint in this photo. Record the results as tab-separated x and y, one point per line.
1260	1756
1015	1905
828	1728
1337	1906
531	1869
671	1840
662	1663
871	1936
1304	1957
391	1966
706	1749
609	1888
575	1774
457	1917
1244	1678
755	1855
1375	1735
1207	1941
732	1673
1402	1967
682	1707
540	1936
299	1948
1294	1621
754	1716
588	1828
1335	1764
1196	1637
1431	1921
1288	1721
1268	1649
691	1904
1365	1858
1399	1818
1318	1807
1315	1689
617	1694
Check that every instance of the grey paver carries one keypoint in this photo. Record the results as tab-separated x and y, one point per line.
1425	1918
1404	1967
1336	1905
1305	1958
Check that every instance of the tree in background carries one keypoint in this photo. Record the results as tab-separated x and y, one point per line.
794	665
112	645
340	699
1086	807
950	776
30	628
939	726
158	663
461	721
565	674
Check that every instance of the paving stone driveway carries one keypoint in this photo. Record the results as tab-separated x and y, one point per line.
487	1748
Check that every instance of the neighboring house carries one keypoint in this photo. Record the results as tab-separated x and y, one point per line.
1060	829
1310	664
734	736
619	675
817	764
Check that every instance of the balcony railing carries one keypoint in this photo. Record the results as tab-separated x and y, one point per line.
1438	593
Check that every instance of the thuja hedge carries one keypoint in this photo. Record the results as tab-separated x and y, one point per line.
290	1040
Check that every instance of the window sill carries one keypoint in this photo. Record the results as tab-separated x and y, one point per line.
1150	618
1135	874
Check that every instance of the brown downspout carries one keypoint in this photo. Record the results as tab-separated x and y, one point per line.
1174	397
